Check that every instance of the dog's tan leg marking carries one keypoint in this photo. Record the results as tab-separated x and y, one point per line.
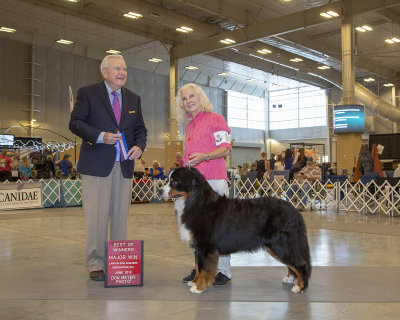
289	278
300	284
213	267
196	277
206	277
273	254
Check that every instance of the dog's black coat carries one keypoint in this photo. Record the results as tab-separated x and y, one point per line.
232	225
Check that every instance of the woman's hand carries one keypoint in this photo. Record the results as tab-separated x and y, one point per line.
196	158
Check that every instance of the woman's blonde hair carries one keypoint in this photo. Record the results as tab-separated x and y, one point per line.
181	113
25	162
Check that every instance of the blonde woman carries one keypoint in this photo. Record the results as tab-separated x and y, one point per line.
207	143
25	167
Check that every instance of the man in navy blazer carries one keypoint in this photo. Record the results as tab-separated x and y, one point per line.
101	114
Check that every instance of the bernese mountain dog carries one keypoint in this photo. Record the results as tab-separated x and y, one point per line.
212	225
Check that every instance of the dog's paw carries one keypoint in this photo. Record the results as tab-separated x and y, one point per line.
191	284
289	279
195	290
296	289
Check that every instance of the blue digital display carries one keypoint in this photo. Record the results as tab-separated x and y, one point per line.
348	118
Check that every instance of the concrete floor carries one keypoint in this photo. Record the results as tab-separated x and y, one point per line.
356	265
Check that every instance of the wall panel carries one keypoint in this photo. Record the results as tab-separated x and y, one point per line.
14	86
57	71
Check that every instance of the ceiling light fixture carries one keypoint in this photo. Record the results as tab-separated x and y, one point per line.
227	41
392	40
9	30
251	80
224	74
154	60
264	51
364	28
73	0
369	79
112	51
388	85
63	41
296	60
191	68
184	29
329	14
323	67
133	15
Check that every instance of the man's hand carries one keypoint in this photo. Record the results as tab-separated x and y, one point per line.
111	138
134	153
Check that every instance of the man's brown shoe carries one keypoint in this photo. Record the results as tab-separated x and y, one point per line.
96	275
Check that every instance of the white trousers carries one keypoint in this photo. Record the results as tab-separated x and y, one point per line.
106	202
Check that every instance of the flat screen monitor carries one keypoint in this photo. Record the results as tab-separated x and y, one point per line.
348	118
6	140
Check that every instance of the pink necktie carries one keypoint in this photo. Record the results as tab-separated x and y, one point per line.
116	106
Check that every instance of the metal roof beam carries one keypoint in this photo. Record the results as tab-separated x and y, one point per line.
285	24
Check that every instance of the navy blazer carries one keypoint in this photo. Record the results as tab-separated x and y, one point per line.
92	115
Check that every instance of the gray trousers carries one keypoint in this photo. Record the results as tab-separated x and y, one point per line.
106	202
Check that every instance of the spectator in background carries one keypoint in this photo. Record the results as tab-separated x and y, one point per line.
50	166
396	173
288	159
66	166
239	169
5	166
263	167
279	164
272	161
73	174
179	160
303	181
243	172
139	168
25	168
157	171
15	165
147	173
299	162
35	162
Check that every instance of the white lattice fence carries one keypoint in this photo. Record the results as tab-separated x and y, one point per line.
370	197
347	196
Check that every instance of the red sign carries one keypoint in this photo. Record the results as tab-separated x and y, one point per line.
124	263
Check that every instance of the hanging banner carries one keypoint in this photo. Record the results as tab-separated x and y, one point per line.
124	263
20	195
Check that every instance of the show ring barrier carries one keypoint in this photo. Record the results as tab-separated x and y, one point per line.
374	197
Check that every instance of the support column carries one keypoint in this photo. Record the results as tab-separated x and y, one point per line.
348	144
395	92
172	144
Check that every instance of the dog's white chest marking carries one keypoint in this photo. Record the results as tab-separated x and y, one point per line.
179	207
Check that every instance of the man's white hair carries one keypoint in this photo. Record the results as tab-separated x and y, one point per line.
105	63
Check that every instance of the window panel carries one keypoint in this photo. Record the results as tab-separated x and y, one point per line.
301	107
245	111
